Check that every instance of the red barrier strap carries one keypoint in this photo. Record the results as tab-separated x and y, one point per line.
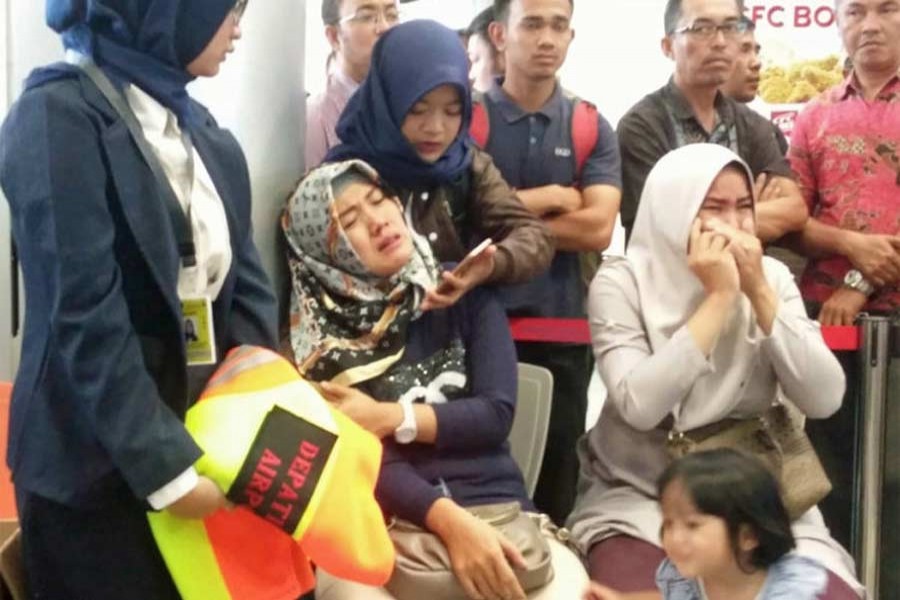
575	331
561	331
842	337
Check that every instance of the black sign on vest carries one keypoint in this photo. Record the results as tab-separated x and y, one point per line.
282	468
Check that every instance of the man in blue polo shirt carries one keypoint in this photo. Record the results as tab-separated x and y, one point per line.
530	140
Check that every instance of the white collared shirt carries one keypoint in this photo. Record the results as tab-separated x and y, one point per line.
195	191
212	241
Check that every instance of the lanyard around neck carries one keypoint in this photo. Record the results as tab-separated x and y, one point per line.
181	223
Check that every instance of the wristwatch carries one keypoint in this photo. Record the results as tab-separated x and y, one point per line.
407	429
855	281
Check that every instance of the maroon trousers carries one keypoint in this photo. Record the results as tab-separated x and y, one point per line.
628	564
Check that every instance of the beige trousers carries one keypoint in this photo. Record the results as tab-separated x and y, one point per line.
570	580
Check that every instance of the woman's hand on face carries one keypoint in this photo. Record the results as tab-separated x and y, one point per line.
481	557
379	418
454	284
202	501
711	261
748	252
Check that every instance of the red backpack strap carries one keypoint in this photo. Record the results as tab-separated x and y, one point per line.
585	132
480	128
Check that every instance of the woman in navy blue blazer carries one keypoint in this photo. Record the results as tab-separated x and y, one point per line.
115	258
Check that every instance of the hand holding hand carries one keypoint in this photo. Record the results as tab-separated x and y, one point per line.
202	501
379	418
456	283
876	256
747	251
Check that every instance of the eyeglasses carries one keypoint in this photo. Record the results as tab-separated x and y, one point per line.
370	17
238	11
706	30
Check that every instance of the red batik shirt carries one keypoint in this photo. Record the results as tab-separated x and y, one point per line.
845	151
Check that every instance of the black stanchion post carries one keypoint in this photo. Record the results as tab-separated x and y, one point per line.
875	357
890	513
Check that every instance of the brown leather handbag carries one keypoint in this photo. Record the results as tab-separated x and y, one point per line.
422	568
776	438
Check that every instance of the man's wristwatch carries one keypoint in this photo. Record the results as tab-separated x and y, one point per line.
855	281
408	429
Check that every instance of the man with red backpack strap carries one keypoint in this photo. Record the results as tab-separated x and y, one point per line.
562	157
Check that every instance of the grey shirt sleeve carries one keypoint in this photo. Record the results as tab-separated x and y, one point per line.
761	149
641	146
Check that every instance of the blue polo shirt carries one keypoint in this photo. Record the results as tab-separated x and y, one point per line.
533	150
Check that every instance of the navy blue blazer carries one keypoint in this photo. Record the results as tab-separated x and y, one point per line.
102	387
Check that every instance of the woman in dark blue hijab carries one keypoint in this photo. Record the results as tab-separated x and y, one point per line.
106	373
408	62
150	43
410	120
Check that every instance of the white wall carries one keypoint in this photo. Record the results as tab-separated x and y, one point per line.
456	14
615	58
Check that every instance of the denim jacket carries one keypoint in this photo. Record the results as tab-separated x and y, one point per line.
793	577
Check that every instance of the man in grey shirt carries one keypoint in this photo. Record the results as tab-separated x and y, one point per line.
701	37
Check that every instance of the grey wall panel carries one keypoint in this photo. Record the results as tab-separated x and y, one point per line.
259	96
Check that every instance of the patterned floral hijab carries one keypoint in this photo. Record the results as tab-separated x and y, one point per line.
347	325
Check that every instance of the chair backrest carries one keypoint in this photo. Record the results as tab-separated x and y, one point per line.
528	435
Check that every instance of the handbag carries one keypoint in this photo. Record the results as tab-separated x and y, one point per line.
12	570
777	439
423	570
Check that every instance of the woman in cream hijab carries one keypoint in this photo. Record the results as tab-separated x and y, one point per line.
693	326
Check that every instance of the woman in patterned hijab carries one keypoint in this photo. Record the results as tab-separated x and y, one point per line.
348	323
438	387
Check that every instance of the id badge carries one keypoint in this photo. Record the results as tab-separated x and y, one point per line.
199	333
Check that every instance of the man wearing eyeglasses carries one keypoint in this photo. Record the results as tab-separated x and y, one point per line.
352	28
702	39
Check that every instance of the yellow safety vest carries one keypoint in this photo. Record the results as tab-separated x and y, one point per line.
303	476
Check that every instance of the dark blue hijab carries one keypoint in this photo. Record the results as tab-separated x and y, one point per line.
408	61
145	42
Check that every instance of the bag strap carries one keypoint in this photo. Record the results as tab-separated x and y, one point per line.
585	132
480	128
181	224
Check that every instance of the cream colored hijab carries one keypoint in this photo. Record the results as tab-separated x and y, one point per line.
670	293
